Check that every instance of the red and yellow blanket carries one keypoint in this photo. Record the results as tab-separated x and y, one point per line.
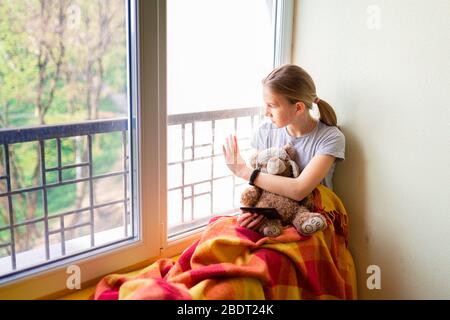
231	262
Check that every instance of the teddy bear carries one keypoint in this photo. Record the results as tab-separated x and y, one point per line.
281	161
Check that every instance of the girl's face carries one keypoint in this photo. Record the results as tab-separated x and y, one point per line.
278	109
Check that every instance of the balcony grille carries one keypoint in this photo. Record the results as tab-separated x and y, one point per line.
191	223
39	134
88	130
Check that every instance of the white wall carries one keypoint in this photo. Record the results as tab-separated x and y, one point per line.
390	89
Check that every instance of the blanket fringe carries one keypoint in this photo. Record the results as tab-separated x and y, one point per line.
337	214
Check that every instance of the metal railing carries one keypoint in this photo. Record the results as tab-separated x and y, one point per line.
40	134
191	119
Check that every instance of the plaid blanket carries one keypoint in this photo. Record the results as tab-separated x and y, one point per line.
230	262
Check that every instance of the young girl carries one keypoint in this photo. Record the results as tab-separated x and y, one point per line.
289	93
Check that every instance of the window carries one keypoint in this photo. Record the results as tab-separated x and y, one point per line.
70	134
62	120
217	54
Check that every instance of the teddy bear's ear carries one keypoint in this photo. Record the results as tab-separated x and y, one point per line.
290	151
295	169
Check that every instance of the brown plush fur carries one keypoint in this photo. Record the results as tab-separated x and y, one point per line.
293	212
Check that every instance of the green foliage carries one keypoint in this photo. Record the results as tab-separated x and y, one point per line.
20	206
102	160
62	198
55	71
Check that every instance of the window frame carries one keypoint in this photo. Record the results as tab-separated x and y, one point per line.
143	35
283	26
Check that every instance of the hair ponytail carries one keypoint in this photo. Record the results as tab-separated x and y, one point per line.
327	114
295	84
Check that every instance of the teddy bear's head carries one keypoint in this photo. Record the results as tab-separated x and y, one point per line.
276	161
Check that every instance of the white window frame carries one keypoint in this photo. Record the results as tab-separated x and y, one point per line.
284	20
50	281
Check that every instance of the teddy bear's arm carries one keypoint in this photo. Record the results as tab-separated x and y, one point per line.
250	196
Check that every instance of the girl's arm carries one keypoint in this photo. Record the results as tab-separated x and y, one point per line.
300	187
296	189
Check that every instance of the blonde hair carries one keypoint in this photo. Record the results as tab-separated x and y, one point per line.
295	84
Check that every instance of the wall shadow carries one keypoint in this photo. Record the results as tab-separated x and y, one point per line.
368	243
350	184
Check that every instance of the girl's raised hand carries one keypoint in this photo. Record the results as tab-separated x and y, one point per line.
233	158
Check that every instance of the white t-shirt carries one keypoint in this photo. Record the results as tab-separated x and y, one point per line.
322	140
